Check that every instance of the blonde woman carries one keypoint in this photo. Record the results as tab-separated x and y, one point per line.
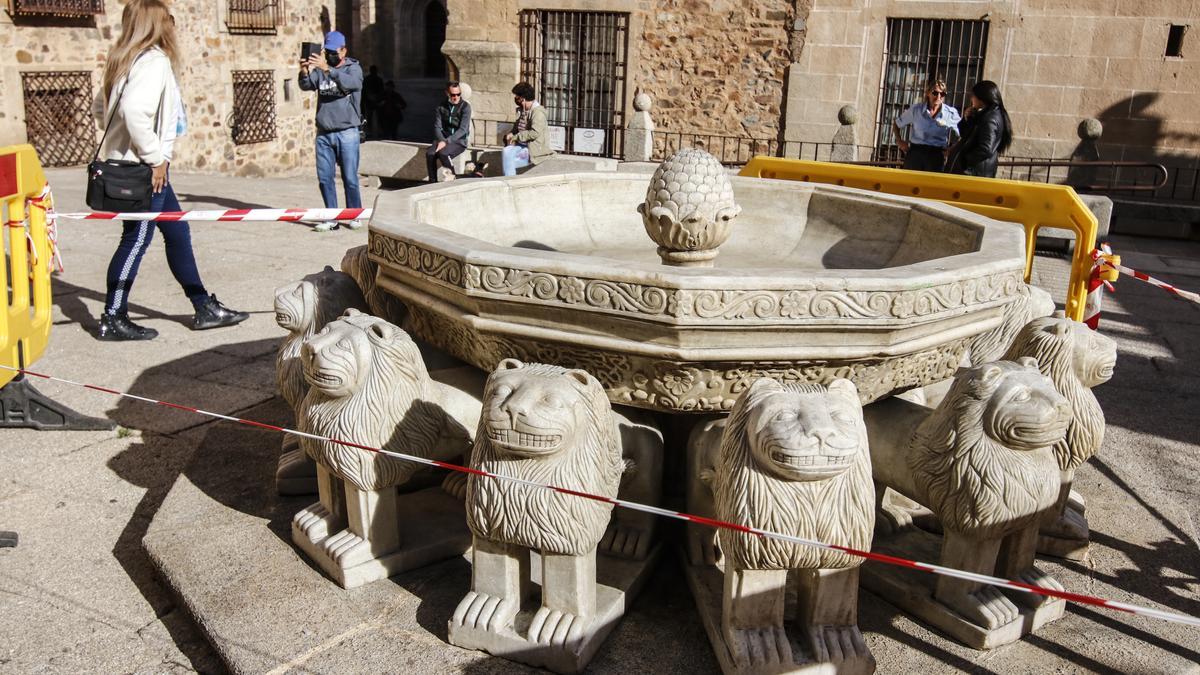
142	111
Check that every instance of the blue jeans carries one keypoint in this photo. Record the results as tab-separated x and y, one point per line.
338	148
513	157
135	239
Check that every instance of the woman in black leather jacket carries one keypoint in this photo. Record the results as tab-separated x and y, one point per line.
986	133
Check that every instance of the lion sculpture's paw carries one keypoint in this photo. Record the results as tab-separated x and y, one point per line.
759	647
986	607
842	646
347	549
1035	577
626	541
486	612
556	628
316	522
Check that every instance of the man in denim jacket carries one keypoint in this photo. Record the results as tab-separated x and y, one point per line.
338	81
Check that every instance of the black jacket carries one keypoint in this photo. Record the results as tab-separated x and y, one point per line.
978	151
452	123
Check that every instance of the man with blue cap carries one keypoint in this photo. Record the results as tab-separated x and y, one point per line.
338	81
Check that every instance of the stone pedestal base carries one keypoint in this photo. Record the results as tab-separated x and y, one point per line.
1070	549
432	528
708	582
618	582
296	473
912	591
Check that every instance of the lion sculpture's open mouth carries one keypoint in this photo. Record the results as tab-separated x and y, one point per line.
817	460
525	443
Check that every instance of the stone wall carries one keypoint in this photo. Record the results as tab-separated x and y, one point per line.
716	66
1056	62
209	55
712	66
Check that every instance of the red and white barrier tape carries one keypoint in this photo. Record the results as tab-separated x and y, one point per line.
678	515
232	215
1095	288
45	202
1098	256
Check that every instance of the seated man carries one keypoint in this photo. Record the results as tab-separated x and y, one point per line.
529	141
451	125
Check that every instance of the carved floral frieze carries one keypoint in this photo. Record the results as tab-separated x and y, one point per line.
687	386
720	305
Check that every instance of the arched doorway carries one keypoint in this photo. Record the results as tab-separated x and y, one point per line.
435	35
418	31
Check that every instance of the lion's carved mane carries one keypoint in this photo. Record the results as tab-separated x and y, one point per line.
965	474
390	405
1031	302
590	461
837	510
303	308
358	264
1076	359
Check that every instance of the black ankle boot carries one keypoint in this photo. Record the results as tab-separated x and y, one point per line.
212	314
114	327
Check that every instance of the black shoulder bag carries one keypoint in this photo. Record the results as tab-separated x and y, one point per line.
117	184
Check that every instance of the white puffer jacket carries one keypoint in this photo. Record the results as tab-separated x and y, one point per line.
148	107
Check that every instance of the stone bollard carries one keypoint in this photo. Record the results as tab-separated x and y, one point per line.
845	141
639	135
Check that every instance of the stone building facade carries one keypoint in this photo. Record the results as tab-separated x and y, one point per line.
261	126
1133	65
783	68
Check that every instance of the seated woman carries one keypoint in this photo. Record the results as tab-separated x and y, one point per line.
529	141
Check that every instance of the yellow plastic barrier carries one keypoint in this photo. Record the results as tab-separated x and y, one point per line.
1031	205
25	317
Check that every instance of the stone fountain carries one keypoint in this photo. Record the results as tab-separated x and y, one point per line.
811	283
791	306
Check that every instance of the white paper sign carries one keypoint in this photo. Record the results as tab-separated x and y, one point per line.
558	139
589	141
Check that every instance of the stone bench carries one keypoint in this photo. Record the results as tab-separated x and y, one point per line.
405	160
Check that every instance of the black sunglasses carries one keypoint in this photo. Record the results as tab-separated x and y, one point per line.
939	94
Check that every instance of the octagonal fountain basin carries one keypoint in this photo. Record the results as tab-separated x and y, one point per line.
815	282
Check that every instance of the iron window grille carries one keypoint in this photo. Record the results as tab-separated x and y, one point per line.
58	116
72	8
253	17
253	106
577	63
915	51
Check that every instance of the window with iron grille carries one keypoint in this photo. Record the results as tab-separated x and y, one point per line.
253	106
916	50
253	17
58	117
57	7
576	62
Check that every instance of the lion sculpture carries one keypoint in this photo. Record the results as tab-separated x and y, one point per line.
303	308
793	459
1031	303
358	264
983	461
368	387
552	426
1076	359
